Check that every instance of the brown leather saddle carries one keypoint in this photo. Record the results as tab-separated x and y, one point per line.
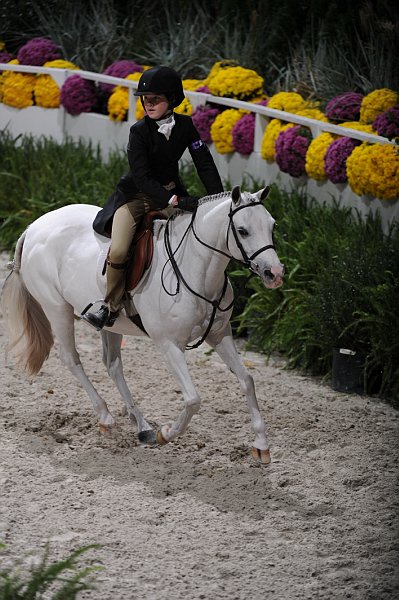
142	249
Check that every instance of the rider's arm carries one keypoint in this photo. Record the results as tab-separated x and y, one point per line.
204	163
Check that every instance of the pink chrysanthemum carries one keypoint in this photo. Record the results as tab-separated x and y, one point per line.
204	89
291	148
336	157
387	123
38	51
120	68
203	117
344	107
243	134
78	95
5	57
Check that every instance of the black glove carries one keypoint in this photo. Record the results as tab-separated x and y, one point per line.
188	203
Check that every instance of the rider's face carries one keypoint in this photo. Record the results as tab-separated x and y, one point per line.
155	105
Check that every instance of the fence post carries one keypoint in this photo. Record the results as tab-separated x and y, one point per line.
260	125
132	99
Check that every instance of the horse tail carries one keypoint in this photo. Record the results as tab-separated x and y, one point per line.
30	335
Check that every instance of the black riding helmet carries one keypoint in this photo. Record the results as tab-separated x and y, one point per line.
162	80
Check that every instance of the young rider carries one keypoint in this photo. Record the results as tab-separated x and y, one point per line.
156	143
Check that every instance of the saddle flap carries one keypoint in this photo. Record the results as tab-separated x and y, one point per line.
142	250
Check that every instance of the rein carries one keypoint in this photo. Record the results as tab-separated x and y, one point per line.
246	260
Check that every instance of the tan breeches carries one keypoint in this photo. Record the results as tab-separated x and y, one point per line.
124	226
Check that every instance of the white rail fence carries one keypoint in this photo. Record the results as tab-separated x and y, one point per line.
234	168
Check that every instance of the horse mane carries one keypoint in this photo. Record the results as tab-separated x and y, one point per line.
214	197
204	200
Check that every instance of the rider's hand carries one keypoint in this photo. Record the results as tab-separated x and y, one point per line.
188	203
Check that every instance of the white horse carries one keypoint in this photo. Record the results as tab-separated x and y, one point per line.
185	295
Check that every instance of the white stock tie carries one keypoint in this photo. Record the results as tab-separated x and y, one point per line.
165	126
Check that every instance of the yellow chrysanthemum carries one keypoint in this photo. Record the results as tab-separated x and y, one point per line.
220	65
376	103
17	89
118	102
61	64
4	75
2	45
185	108
236	82
222	128
357	126
355	169
288	101
47	93
134	76
259	99
374	169
192	84
313	113
270	136
315	155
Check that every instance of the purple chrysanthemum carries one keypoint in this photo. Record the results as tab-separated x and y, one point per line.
387	123
336	156
204	89
290	150
78	95
38	51
243	134
203	117
120	68
345	107
5	57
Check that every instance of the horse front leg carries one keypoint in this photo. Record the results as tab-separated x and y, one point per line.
113	361
227	351
178	367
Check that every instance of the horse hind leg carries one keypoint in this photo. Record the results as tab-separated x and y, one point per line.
113	361
62	323
227	351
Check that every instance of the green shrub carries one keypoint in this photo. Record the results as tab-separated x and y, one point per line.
62	579
39	175
340	290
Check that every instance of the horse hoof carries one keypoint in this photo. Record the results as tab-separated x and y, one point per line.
262	456
148	437
105	429
160	439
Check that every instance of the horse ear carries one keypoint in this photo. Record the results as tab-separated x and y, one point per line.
236	194
263	194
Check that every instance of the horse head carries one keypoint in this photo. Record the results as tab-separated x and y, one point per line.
251	226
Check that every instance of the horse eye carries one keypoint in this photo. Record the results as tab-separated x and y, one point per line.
242	231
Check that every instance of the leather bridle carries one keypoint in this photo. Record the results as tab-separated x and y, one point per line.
246	261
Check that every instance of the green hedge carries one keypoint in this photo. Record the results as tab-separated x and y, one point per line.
341	290
39	175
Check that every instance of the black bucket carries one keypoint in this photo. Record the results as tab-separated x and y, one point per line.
348	371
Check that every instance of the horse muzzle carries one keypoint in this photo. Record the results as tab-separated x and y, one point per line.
272	277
